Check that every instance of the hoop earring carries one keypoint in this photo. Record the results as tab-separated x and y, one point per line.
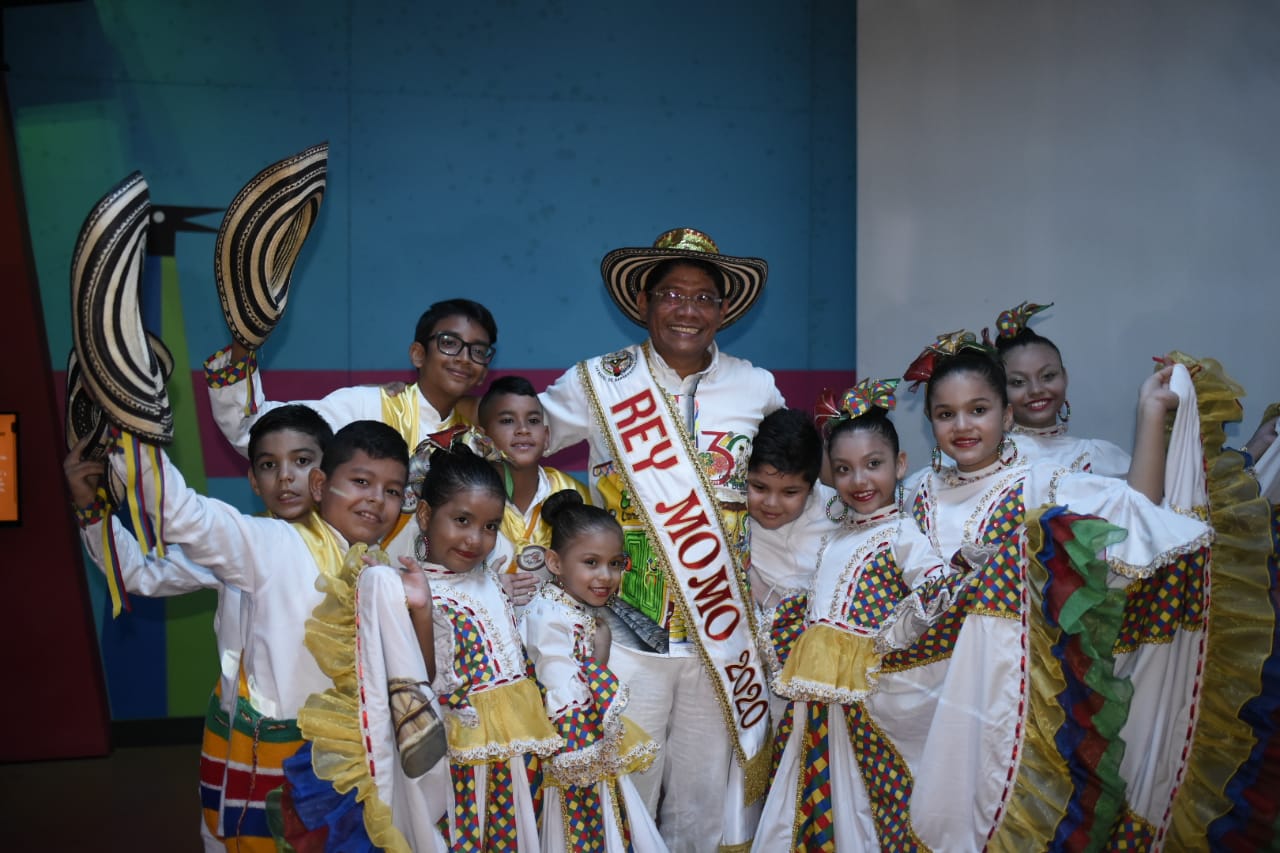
1064	413
844	511
935	459
1008	451
420	547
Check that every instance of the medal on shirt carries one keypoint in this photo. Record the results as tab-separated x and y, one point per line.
532	558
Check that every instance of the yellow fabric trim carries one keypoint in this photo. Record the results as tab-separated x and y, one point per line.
131	477
830	665
636	750
1241	621
322	542
755	773
522	536
744	847
401	412
157	486
401	520
560	481
131	448
331	720
624	748
113	588
511	721
1037	801
538	532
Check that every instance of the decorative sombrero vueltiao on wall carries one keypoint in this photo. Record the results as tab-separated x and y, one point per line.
118	367
260	238
626	272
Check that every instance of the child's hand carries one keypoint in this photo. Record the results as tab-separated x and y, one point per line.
1263	438
239	352
83	475
519	586
1154	396
417	589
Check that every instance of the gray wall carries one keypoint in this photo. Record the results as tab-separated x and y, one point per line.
1118	159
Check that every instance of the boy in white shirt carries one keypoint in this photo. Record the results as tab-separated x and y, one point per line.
454	342
282	568
511	415
787	506
284	445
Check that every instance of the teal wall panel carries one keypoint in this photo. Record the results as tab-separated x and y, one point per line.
495	151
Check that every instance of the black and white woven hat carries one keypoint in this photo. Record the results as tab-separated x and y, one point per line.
85	417
626	272
260	238
117	365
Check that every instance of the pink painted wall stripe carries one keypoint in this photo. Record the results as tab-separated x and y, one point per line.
800	387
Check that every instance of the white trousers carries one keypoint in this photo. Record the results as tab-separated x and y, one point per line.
674	701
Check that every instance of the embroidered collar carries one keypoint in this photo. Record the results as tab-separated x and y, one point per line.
1055	431
435	570
953	477
860	522
555	592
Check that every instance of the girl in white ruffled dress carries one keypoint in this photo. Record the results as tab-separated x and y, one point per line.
1037	391
1077	698
878	583
589	802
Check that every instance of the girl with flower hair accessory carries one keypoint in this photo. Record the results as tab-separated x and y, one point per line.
485	795
878	584
1079	701
589	801
1037	391
494	720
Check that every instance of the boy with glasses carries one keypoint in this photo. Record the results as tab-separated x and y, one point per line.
453	345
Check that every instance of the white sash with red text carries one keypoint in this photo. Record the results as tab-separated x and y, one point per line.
652	449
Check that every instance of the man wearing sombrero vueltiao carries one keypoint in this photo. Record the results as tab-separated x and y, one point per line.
669	423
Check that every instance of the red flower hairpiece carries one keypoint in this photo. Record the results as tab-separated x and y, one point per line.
826	408
945	346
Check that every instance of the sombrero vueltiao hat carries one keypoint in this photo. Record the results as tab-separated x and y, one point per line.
626	272
117	365
260	238
114	360
85	417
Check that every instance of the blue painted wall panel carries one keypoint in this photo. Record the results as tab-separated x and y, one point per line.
495	151
667	55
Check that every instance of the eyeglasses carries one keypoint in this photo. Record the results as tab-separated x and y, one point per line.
674	299
450	344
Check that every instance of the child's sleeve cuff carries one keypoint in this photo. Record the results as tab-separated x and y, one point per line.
220	371
94	513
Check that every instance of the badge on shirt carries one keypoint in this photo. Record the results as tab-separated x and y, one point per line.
616	365
532	558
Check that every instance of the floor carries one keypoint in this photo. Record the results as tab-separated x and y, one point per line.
139	798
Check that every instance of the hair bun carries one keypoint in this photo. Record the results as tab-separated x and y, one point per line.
557	503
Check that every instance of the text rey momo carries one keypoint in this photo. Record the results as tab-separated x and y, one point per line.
703	564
